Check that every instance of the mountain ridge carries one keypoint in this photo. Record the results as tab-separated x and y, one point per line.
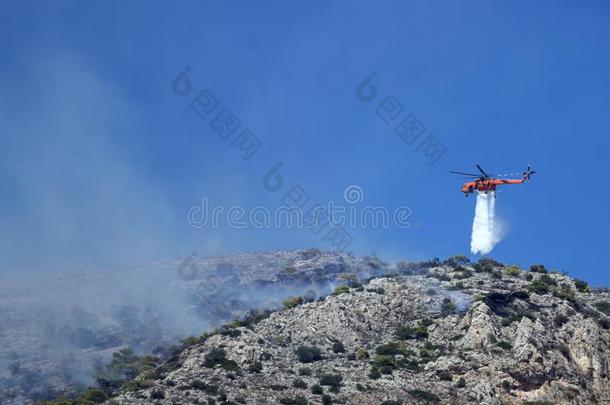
444	332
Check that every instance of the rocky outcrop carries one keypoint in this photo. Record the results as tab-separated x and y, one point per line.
460	334
58	330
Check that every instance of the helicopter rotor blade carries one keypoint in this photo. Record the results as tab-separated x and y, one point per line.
509	174
482	171
465	174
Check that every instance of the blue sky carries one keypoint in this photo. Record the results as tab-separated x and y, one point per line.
101	160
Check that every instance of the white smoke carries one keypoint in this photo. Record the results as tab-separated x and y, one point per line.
487	230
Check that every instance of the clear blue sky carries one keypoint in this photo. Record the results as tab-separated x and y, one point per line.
100	161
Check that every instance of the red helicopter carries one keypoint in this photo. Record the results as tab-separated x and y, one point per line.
485	182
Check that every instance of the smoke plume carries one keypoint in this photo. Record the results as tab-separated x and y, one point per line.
487	230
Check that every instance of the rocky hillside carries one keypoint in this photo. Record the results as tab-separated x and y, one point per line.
449	333
61	333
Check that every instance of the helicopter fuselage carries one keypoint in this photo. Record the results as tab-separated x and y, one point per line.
487	184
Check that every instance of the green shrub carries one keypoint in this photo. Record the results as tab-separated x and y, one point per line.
448	307
512	271
581	286
199	385
229	365
317	389
229	331
404	332
418	332
386	369
338	347
390	349
548	280
137	385
382	360
292	302
332	380
341	289
521	295
214	357
191	340
431	291
538	287
538	268
291	401
252	317
327	400
427	355
94	395
441	276
391	402
445	375
306	371
458	260
504	345
461	383
298	383
374	373
484	261
126	365
421	332
564	292
308	354
560	320
424	395
256	367
157	394
218	356
462	273
362	353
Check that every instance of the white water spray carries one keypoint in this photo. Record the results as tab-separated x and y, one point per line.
487	231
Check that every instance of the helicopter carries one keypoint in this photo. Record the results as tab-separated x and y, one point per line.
485	182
